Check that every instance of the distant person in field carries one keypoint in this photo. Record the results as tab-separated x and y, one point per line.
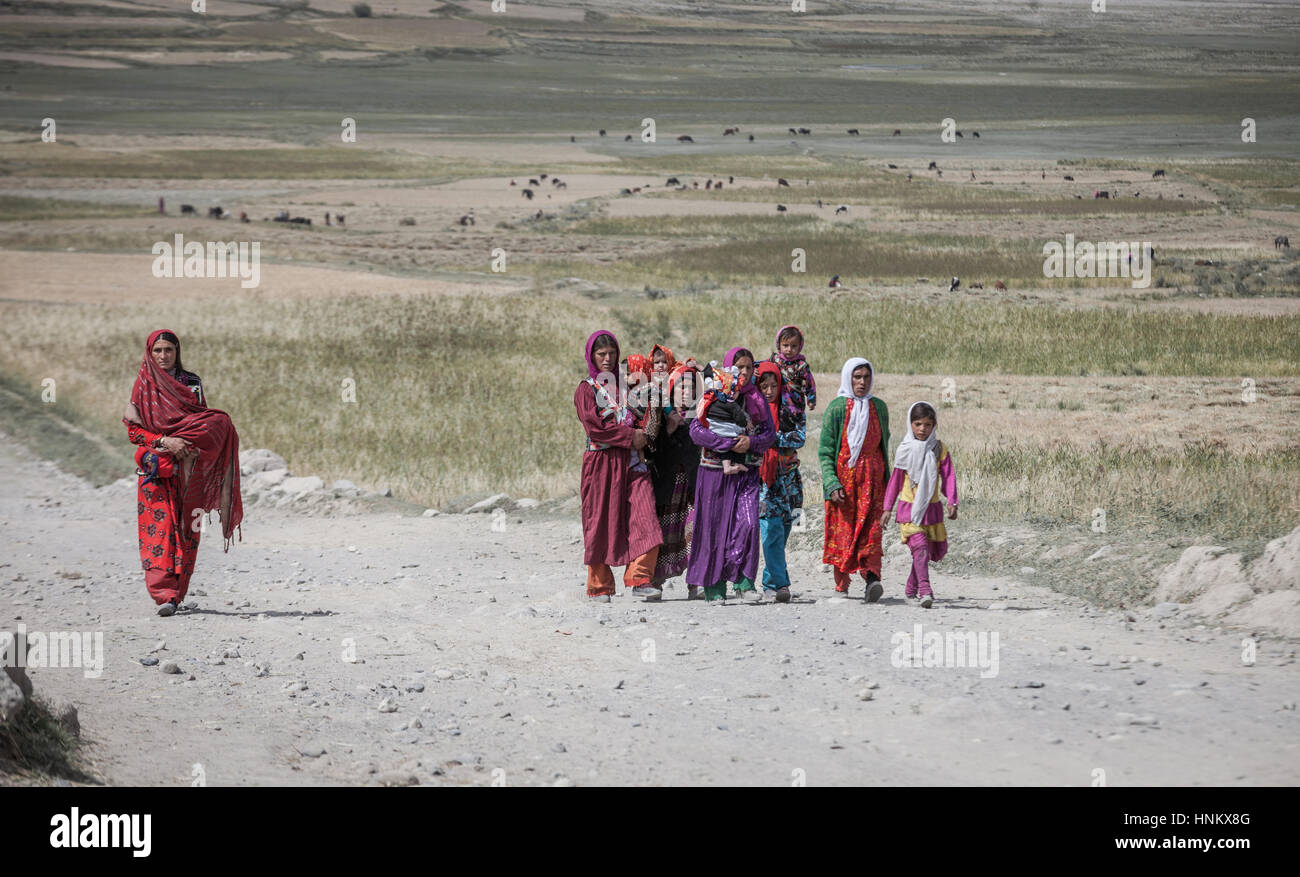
619	526
854	442
922	468
674	462
782	491
188	459
724	541
796	376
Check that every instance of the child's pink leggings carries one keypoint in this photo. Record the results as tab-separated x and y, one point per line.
918	580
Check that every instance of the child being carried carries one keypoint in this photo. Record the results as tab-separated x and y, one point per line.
725	416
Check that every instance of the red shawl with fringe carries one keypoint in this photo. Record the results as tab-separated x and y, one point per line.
168	407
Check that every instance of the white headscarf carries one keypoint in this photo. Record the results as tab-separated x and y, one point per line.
917	458
860	419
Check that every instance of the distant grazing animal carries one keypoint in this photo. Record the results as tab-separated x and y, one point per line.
893	167
729	131
974	133
561	185
541	176
934	166
1159	172
534	182
855	133
573	139
467	219
539	214
1069	178
841	209
627	139
339	217
1000	285
673	181
938	172
708	184
1102	194
300	220
513	183
1080	197
1281	242
975	286
696	184
731	180
959	135
635	190
243	217
782	181
805	131
751	138
625	191
780	208
897	132
956	282
528	193
717	185
1135	195
685	138
602	132
793	131
187	208
215	213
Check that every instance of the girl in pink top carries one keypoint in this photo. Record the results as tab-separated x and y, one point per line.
922	467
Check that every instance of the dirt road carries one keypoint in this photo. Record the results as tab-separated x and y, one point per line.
496	669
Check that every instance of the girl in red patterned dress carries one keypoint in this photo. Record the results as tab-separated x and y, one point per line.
189	463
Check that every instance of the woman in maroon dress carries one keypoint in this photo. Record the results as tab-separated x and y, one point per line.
618	502
189	463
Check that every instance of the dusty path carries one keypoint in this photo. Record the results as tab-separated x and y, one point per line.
484	638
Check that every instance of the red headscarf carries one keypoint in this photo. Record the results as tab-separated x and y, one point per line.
768	470
638	364
676	376
668	357
169	407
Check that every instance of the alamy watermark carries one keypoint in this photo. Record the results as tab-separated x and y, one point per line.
209	259
953	648
55	649
1103	259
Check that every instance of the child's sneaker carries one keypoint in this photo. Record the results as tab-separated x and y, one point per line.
874	591
650	593
927	600
598	598
783	595
168	609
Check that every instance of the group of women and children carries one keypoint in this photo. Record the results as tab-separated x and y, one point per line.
691	469
687	469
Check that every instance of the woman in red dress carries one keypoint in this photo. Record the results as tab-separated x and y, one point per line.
853	457
188	463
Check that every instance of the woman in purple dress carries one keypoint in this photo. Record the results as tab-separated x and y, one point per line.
725	542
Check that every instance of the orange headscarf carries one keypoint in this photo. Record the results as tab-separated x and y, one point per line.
668	357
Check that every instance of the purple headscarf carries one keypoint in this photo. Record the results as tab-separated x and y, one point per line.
780	357
755	404
592	371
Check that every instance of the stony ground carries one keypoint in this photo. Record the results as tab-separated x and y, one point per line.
356	643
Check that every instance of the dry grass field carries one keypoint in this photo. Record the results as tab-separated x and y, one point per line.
1172	406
